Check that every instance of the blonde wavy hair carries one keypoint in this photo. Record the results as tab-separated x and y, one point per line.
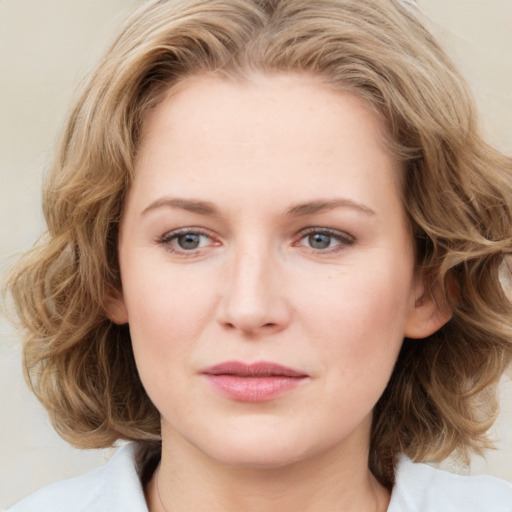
457	192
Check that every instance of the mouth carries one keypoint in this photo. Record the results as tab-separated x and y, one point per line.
254	382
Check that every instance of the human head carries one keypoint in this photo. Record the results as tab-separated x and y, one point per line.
456	192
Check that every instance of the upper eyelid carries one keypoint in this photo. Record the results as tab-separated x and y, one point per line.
184	231
329	231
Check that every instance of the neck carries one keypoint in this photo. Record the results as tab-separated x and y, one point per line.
326	481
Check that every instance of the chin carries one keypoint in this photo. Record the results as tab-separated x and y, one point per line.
260	448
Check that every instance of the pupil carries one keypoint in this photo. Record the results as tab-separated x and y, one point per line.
319	241
188	241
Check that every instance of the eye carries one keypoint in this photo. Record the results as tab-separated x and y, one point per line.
186	240
189	241
325	240
320	240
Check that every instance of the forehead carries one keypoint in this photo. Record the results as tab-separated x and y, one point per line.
298	103
280	131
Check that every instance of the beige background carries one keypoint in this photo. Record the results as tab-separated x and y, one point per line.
46	46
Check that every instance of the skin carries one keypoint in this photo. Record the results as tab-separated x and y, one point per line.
304	258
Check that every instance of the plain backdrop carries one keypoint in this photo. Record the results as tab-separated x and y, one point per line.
46	47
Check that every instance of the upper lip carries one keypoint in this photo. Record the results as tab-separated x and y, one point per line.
257	369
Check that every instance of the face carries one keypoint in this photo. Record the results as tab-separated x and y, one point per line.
267	270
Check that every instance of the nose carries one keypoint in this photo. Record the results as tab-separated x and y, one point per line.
253	299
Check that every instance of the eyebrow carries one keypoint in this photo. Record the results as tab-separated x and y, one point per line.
319	206
302	209
190	205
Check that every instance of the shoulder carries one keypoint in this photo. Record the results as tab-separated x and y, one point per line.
422	488
115	486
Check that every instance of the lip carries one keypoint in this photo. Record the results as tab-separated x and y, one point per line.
253	382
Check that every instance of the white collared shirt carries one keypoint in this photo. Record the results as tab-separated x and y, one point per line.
116	487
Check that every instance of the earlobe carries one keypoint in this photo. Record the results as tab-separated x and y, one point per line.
115	308
427	316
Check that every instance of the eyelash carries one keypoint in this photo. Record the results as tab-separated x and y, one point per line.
170	237
343	239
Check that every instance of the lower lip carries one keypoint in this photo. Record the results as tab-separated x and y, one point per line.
253	389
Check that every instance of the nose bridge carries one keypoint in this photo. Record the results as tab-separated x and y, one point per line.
251	273
252	298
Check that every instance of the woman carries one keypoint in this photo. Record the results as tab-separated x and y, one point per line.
275	241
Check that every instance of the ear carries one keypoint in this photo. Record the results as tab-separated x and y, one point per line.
115	307
429	312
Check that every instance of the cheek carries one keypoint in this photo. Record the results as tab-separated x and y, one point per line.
167	311
358	316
